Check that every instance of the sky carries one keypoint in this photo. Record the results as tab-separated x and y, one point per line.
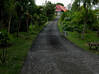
65	2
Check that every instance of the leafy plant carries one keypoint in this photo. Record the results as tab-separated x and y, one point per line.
3	44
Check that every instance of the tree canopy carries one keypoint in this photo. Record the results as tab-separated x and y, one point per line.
60	4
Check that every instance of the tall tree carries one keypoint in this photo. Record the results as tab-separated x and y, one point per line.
50	10
85	8
87	5
9	7
76	5
25	10
60	4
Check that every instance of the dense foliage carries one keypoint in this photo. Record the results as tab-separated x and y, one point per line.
60	4
18	16
81	18
50	10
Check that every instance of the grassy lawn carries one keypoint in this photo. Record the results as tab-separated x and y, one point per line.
17	53
91	36
74	37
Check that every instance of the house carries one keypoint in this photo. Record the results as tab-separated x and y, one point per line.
60	9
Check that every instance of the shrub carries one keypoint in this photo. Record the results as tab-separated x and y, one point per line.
3	44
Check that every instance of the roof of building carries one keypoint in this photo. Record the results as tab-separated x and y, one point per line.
60	8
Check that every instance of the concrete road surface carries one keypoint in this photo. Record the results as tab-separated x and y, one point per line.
53	54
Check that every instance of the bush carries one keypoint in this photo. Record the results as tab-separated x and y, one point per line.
68	27
77	20
3	39
3	44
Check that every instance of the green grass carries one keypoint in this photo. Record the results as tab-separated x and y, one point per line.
90	36
75	38
17	53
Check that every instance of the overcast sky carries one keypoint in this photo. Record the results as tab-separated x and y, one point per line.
65	2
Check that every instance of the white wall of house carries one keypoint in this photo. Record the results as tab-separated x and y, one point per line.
59	13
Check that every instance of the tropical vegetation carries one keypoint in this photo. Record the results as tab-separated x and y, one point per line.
81	23
19	26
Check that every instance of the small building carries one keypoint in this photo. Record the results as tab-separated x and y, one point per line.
60	9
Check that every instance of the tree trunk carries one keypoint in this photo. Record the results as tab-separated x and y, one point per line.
27	24
83	32
18	29
9	24
85	22
98	33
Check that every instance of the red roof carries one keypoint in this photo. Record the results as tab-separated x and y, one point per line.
60	8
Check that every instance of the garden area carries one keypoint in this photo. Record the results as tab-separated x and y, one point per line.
20	23
81	25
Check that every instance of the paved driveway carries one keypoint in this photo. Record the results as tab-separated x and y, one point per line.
52	54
